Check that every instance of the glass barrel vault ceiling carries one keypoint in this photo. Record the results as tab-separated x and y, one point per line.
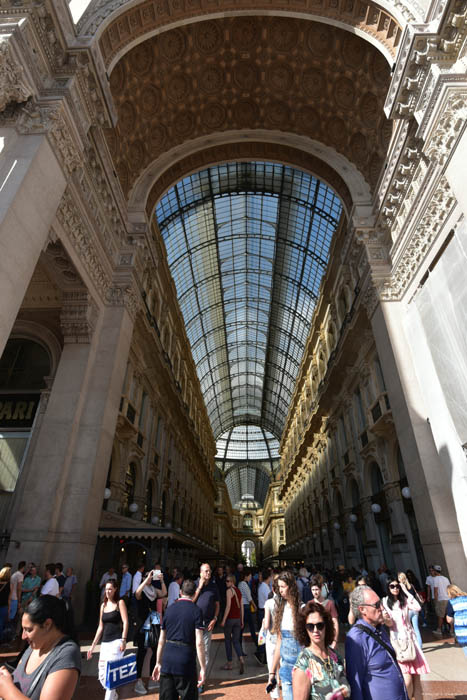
247	245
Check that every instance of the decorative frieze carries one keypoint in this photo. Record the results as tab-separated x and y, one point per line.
425	233
14	86
78	317
81	239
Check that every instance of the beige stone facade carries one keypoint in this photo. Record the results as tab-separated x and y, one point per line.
99	117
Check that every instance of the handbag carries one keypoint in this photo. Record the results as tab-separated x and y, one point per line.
252	607
404	648
121	671
152	630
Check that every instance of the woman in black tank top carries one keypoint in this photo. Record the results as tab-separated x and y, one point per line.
113	628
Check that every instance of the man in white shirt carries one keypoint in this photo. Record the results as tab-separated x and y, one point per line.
137	578
174	589
264	590
430	584
50	586
16	584
441	597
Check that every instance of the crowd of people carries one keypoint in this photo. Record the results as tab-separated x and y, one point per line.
295	620
19	588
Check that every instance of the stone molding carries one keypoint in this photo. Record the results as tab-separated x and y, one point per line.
78	317
51	118
14	86
423	46
147	18
82	241
420	242
123	294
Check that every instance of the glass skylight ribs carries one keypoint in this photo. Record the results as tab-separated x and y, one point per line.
248	244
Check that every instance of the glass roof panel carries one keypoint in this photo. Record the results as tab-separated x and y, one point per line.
247	245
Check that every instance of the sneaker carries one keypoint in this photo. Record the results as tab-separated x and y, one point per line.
140	688
152	685
200	689
438	633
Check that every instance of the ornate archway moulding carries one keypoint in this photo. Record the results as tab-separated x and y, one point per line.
300	152
31	330
144	20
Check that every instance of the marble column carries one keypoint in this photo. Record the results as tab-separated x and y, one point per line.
80	511
41	487
429	482
31	187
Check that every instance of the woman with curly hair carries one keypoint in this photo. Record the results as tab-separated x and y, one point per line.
285	626
319	671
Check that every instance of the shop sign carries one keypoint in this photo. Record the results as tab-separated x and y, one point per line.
18	410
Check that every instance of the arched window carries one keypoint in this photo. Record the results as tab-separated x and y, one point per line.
130	485
23	366
148	502
248	522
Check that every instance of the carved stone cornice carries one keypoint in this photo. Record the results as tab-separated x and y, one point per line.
422	45
451	111
81	240
52	118
14	85
78	317
420	242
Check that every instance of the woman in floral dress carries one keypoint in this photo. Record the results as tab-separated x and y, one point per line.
319	671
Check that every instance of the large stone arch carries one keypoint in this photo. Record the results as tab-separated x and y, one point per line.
323	162
119	29
303	85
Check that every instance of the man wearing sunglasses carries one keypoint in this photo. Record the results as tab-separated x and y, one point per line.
372	669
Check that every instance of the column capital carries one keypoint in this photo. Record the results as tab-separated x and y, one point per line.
78	317
53	119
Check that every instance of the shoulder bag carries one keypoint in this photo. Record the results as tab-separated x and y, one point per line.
380	641
404	648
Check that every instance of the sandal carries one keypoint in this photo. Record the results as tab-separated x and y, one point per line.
226	667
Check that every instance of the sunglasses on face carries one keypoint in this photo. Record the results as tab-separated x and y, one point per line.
394	585
311	626
376	605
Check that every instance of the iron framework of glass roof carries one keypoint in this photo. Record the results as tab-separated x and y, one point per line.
247	245
248	456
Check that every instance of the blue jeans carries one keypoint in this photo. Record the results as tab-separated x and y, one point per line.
13	609
232	634
413	617
248	620
290	649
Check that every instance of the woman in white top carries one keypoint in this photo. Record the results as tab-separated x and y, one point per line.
285	625
268	624
398	604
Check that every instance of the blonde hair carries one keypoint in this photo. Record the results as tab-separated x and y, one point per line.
5	573
232	579
402	576
454	591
